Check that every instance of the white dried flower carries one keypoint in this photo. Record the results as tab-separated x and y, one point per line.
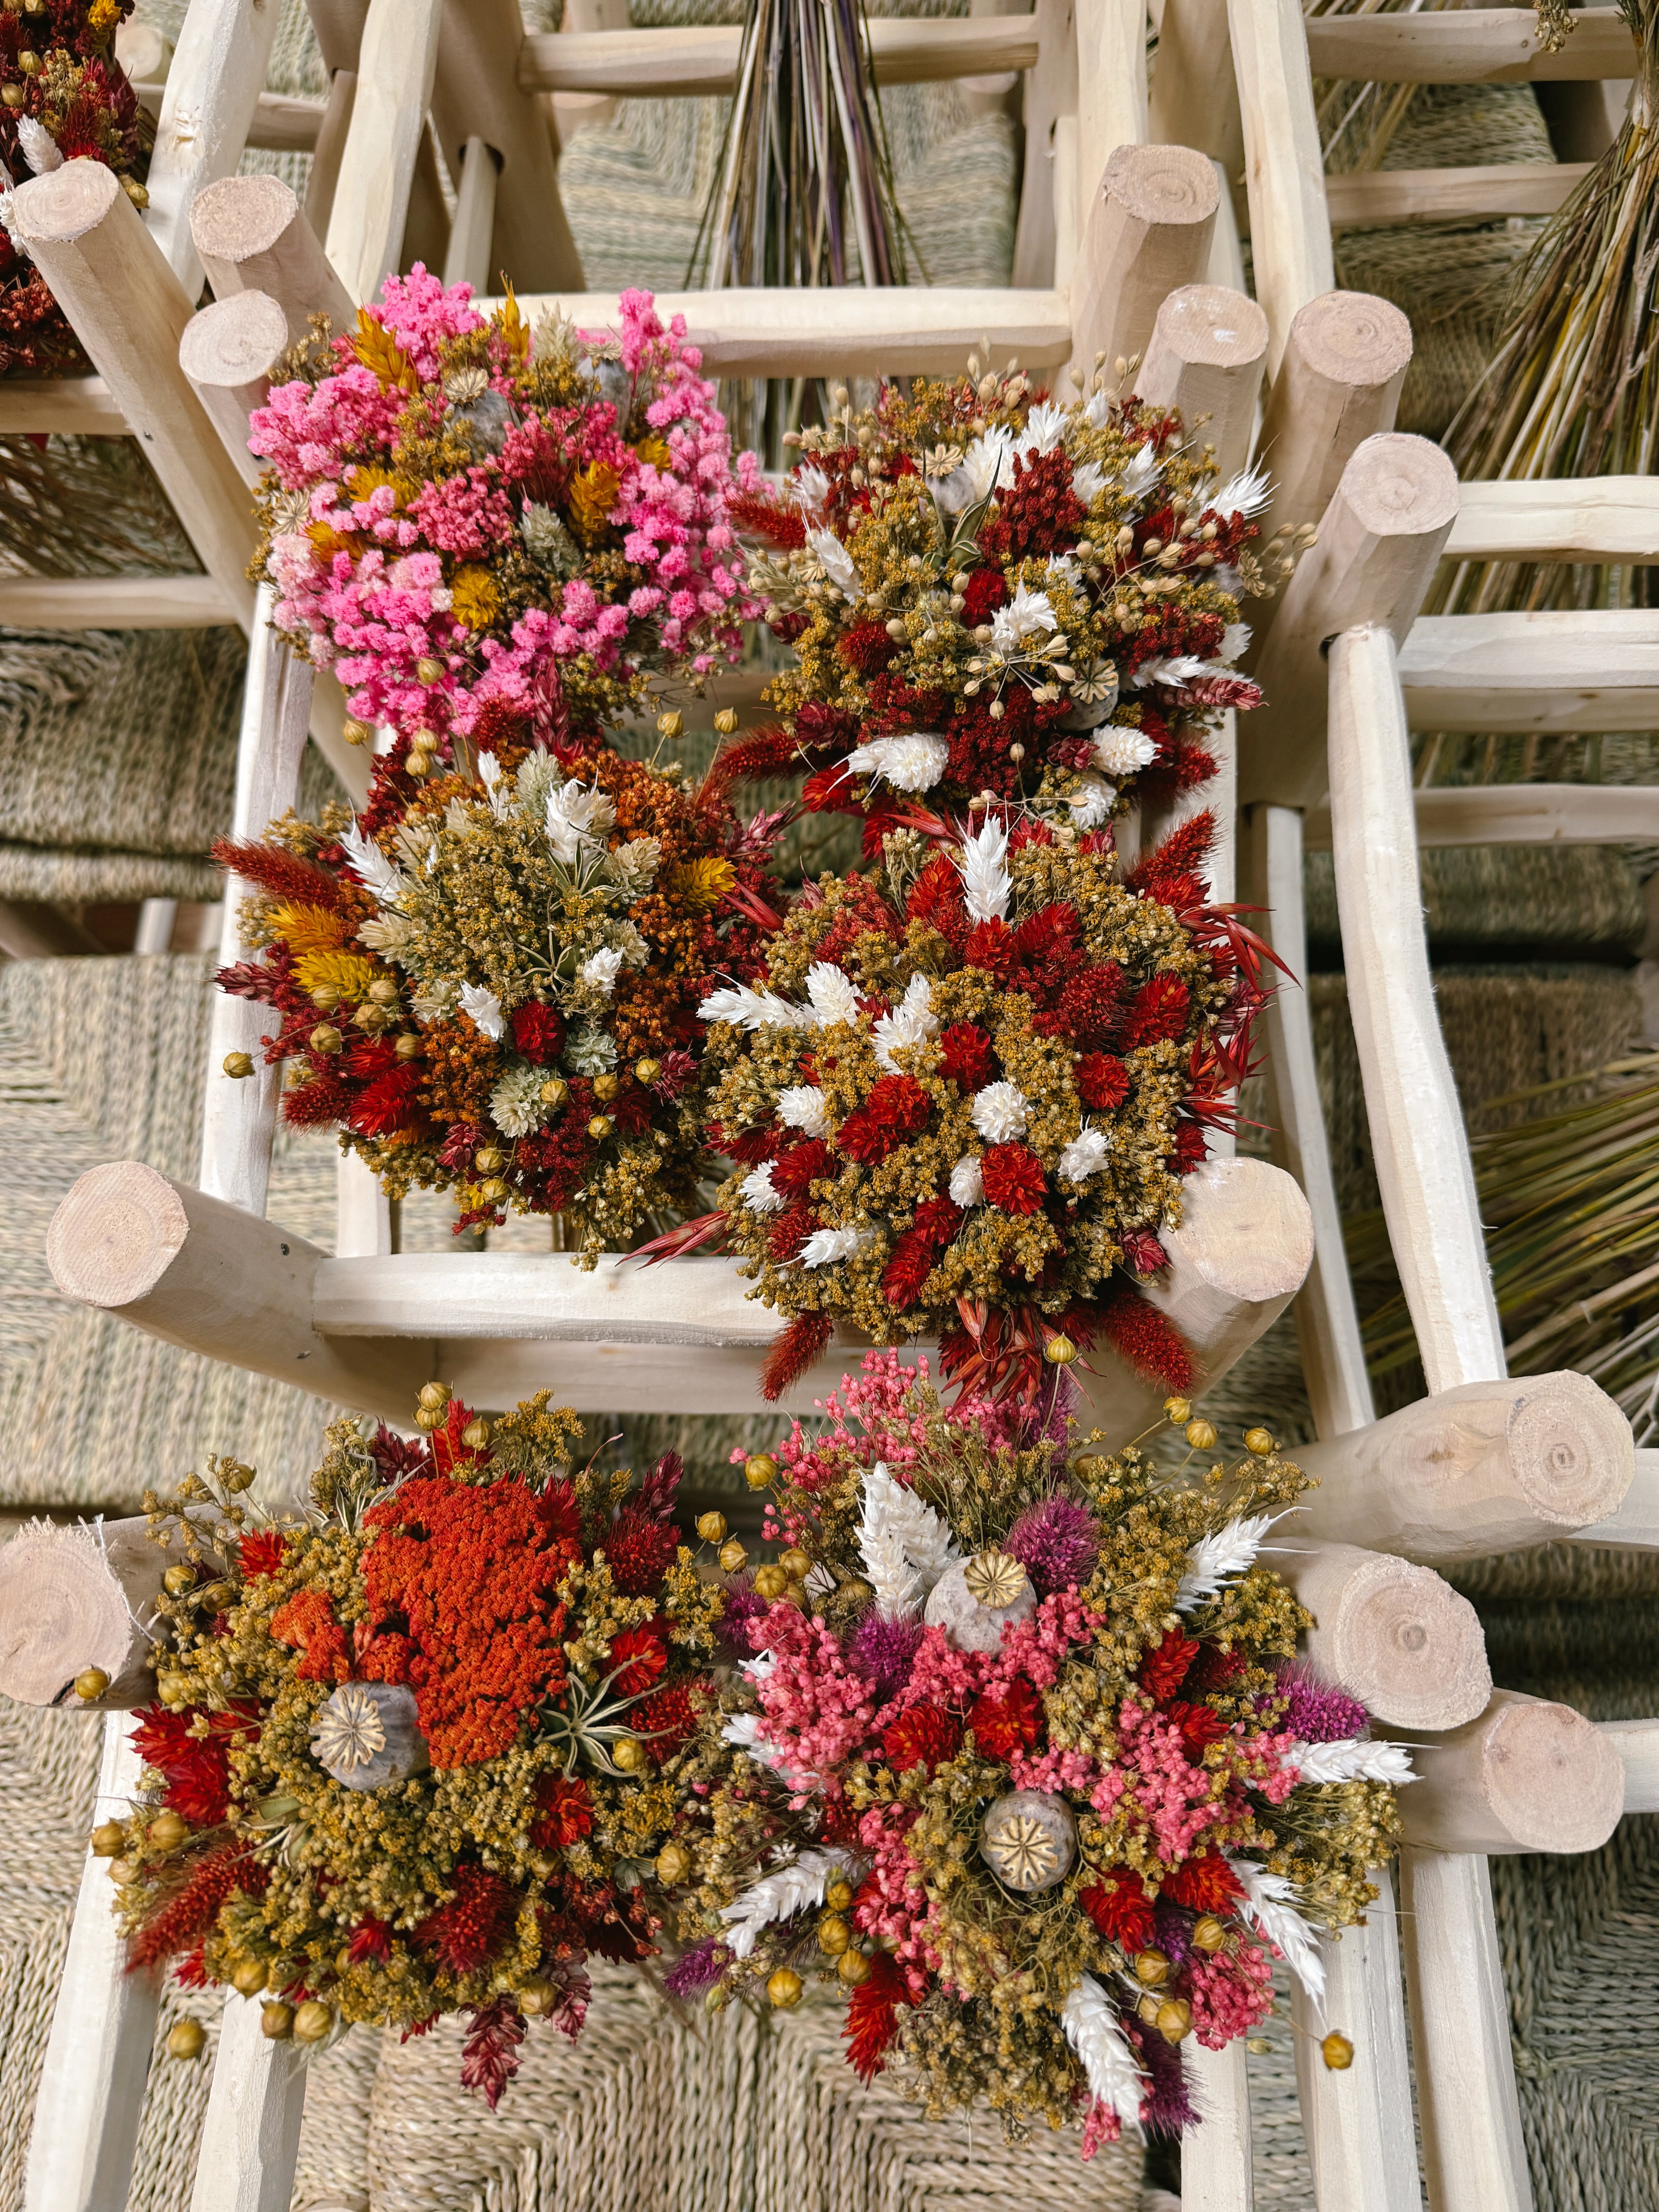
834	997
576	817
986	883
911	1021
1088	482
1026	614
515	1103
601	969
1091	802
802	1107
827	1248
480	1003
837	562
1045	426
999	1112
1110	2066
1085	1155
757	1191
1246	494
913	762
967	1184
1122	752
754	1009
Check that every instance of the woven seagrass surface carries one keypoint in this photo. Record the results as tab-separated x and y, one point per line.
1504	902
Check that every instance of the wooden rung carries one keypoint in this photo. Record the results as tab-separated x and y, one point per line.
1484	1468
228	351
282	123
1636	1743
899	331
1396	196
699	60
113	603
81	406
684	1337
1523	814
1469	46
1613	518
398	63
252	236
1527	1775
1634	1524
1553	672
1389	1632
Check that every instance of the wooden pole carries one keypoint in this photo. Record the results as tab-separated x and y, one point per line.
1146	233
1205	357
1050	91
1636	1743
1111	87
213	88
399	55
331	136
250	2133
1326	1323
103	2028
227	352
468	261
240	1112
1634	1525
1526	1775
129	311
1378	542
1358	2123
1338	383
477	94
1215	2158
1194	91
252	237
1394	1636
1473	2157
200	1273
76	1597
1285	169
1479	1467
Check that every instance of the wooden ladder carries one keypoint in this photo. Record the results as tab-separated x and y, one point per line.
1122	238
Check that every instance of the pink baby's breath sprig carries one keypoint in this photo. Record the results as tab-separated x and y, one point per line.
460	509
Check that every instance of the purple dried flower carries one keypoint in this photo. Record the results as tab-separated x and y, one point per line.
1173	1932
742	1606
699	1970
1165	2108
1056	1544
1047	1422
884	1649
1318	1713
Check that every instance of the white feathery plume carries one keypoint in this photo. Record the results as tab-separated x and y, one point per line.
743	1730
1085	1155
602	968
1353	1759
780	1896
826	1247
811	486
802	1107
485	1008
887	1564
1178	669
753	1010
576	817
967	1182
1246	494
988	463
1091	802
1088	482
910	1022
913	762
1026	613
926	1535
1270	1902
1234	642
1220	1557
1120	751
763	1664
1044	428
1099	407
757	1191
371	866
41	149
986	883
1143	472
833	992
837	562
999	1112
495	784
1110	2067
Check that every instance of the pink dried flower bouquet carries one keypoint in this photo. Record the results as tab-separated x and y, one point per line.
460	509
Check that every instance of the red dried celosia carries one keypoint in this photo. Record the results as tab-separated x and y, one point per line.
489	2056
1121	1909
871	2016
185	1909
1204	1884
467	1931
923	1736
1009	1723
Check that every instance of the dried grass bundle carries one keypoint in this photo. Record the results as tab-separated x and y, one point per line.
805	193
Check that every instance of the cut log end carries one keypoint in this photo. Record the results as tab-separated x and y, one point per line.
116	1232
64	1609
1571	1449
1212	325
233	343
1246	1230
1353	338
1406	1644
1399	486
1552	1779
66	202
239	216
1162	185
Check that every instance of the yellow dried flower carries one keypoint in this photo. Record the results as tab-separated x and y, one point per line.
702	884
475	597
377	350
347	973
592	496
306	929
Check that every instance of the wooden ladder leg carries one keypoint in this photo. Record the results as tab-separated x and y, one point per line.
251	2135
213	90
240	1115
396	67
103	2027
1473	2151
1362	2158
1284	167
1215	2157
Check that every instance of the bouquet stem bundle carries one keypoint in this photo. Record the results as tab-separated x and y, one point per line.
1570	1202
805	193
1573	389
